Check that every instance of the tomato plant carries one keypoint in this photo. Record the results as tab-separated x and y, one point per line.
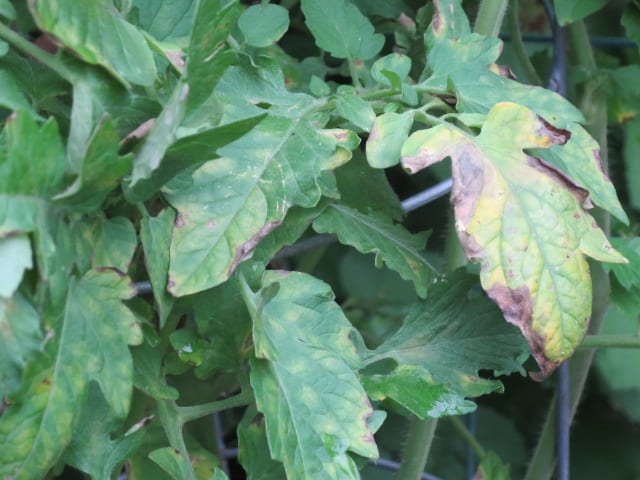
203	241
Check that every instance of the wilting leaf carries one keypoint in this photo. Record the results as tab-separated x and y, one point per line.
393	244
99	36
524	221
441	346
340	28
304	381
91	345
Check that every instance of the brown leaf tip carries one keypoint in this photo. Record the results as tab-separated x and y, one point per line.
556	136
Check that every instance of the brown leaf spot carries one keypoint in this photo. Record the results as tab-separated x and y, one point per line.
179	221
550	170
517	308
502	70
558	136
140	131
211	224
245	250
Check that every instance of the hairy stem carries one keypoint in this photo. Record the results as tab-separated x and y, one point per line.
490	16
417	448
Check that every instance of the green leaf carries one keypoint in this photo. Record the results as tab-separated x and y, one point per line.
356	110
115	244
304	381
11	95
203	463
367	189
391	70
31	167
631	22
253	449
20	338
148	375
491	467
389	132
208	56
100	173
100	36
467	62
631	153
374	232
445	341
15	258
167	20
91	345
7	10
92	448
155	234
188	152
385	8
340	28
524	221
263	25
570	11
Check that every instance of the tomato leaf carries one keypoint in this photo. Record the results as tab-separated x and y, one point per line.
524	221
304	380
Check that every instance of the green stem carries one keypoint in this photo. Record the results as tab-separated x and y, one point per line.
417	448
543	461
40	55
468	437
490	16
530	73
354	74
611	341
194	412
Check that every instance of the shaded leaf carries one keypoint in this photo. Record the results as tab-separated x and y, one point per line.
492	468
524	221
101	170
304	381
115	244
442	345
20	337
631	154
168	20
631	22
100	36
340	28
570	11
253	449
393	244
148	375
155	234
11	95
7	10
264	24
92	448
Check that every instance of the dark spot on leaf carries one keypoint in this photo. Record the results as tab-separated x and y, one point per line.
245	250
211	224
558	136
576	216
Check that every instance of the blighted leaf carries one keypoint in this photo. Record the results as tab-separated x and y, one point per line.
393	244
569	11
91	345
304	380
442	345
101	170
155	234
263	24
15	258
524	221
93	449
340	28
20	337
389	132
100	36
228	205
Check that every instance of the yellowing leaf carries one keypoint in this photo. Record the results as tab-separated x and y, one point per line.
524	221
